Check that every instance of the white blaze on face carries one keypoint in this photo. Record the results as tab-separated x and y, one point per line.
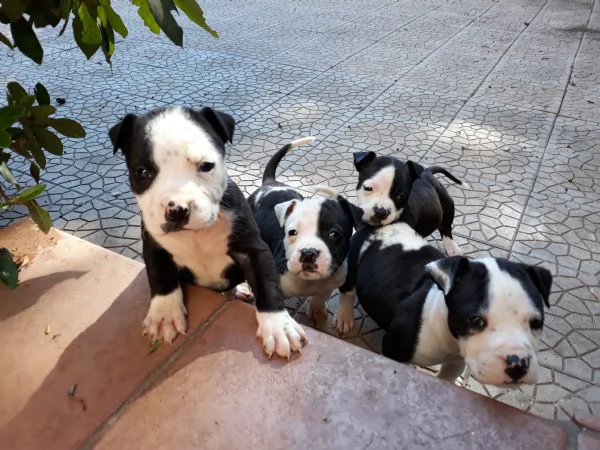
301	233
375	193
179	148
507	333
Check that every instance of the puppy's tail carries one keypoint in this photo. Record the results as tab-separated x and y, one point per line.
438	169
271	167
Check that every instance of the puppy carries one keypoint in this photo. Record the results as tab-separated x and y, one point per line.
486	313
309	238
389	190
196	225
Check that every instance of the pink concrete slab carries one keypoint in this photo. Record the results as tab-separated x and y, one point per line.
223	394
74	319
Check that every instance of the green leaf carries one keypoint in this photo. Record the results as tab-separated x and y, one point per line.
35	148
26	40
27	101
9	272
8	176
108	42
34	171
161	10
88	49
9	115
114	19
191	9
45	16
15	91
155	345
42	111
90	33
39	216
5	139
28	194
146	15
68	127
5	41
41	94
49	141
14	9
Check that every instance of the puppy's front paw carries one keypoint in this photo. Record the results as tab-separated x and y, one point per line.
166	316
451	248
280	333
343	319
241	292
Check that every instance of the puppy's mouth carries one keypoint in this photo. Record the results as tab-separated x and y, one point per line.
171	227
310	267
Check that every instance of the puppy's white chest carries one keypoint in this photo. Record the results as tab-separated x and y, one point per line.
203	252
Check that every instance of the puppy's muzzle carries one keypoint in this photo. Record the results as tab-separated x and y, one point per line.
308	258
517	367
381	213
178	215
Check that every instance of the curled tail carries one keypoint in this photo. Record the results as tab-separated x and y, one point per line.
438	169
271	166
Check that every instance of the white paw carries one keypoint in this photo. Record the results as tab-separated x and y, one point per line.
241	292
166	316
316	309
343	320
280	333
451	248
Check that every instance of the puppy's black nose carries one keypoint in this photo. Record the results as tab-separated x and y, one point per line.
381	213
309	255
177	213
516	367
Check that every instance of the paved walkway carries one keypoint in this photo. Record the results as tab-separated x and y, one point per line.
505	93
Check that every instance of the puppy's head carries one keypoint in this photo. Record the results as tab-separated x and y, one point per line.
175	159
384	184
496	312
317	235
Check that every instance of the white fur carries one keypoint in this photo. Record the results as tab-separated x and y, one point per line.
450	247
507	333
203	251
179	145
343	319
280	333
436	344
166	316
381	184
395	234
298	286
304	218
264	191
302	141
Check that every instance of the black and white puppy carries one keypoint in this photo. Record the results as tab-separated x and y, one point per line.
309	237
486	313
197	226
389	190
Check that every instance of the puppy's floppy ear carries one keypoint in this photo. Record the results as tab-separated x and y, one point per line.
361	159
221	122
414	169
542	278
120	134
445	271
283	210
353	212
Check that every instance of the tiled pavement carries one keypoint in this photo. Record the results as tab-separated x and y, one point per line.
505	93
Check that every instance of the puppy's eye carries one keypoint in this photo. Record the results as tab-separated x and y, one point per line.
206	167
292	232
334	234
368	188
476	322
536	324
142	172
